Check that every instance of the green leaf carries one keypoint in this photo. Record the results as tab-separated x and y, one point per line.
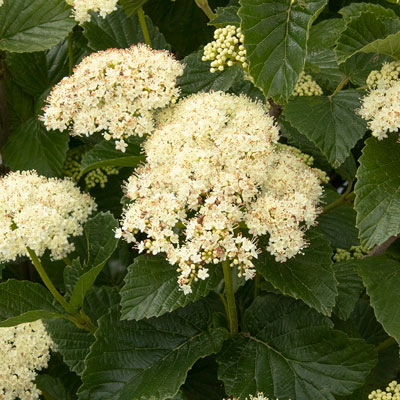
368	33
355	9
104	154
349	288
119	31
275	38
72	343
151	288
101	243
381	277
33	25
321	61
329	122
292	352
198	78
24	301
131	6
338	226
52	388
43	151
308	276
148	359
378	191
225	16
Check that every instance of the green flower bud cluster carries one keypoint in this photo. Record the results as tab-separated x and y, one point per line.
392	392
306	86
306	159
226	50
99	176
72	169
355	252
389	73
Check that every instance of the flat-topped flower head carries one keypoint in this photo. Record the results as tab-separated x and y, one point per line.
115	92
392	392
24	350
306	86
213	182
82	8
381	107
40	213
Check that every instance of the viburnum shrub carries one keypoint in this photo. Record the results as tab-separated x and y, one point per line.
199	199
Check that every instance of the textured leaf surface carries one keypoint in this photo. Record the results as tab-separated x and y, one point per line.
307	276
104	154
226	16
198	78
292	352
381	277
45	151
131	6
33	25
355	9
119	31
151	288
150	358
24	301
349	288
368	33
378	191
276	35
329	122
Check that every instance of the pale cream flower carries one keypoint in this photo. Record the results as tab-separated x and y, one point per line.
214	180
306	86
115	92
392	392
24	350
41	213
82	8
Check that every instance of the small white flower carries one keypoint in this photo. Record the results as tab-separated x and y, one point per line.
203	273
186	289
82	8
121	145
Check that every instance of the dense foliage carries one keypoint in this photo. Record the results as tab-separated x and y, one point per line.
199	200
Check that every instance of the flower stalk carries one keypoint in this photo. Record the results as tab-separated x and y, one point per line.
230	298
143	25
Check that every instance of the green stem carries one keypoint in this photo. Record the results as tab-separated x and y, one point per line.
384	345
71	62
230	297
345	197
46	280
341	85
67	261
203	4
143	25
257	285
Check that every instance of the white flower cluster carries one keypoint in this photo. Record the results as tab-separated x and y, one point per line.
227	49
24	349
389	74
306	86
114	92
214	181
1	2
82	8
381	107
392	392
40	213
259	396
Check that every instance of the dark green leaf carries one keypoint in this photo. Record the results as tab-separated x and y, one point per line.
330	122
292	352
151	288
99	300
52	388
104	154
368	33
377	191
321	61
33	25
131	6
338	226
308	276
275	38
226	16
119	31
198	78
355	9
381	277
349	288
23	301
43	151
148	359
